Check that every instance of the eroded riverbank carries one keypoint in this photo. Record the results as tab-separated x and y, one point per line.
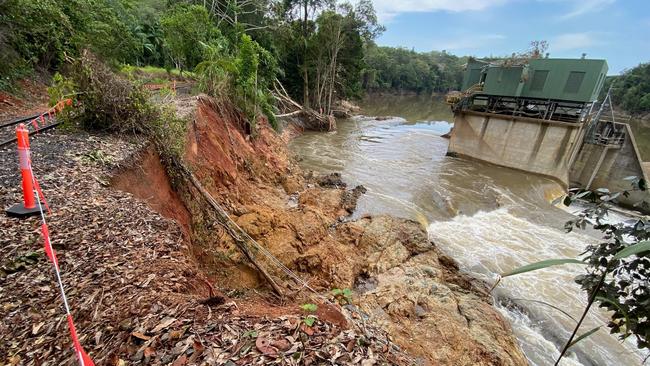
169	285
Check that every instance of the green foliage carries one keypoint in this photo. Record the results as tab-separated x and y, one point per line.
344	296
61	88
583	336
617	269
185	27
322	59
107	102
631	90
309	307
399	69
541	265
214	71
42	34
244	75
309	320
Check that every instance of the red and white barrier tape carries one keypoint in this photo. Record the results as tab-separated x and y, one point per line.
58	107
82	356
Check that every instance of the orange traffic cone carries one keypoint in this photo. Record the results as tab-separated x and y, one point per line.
29	206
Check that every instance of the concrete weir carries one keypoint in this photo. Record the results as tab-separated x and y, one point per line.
606	162
562	151
543	147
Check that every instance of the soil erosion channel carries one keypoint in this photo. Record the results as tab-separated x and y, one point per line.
489	219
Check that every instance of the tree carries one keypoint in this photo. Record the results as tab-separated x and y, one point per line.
399	69
303	8
30	42
631	90
185	27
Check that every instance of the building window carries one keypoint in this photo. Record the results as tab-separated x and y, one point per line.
539	79
574	82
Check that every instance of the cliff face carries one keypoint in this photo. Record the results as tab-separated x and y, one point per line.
399	277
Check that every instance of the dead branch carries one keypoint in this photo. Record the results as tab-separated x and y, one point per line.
312	119
233	230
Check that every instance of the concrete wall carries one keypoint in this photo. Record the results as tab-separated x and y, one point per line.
617	163
532	145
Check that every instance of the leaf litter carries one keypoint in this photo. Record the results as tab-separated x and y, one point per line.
136	294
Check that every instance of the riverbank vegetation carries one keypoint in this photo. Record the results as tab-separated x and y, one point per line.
320	51
314	48
616	276
402	70
631	89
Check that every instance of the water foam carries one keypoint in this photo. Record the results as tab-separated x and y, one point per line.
489	243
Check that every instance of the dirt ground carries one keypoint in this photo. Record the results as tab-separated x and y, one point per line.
138	293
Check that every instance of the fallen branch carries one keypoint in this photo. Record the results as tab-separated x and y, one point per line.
312	119
232	229
291	114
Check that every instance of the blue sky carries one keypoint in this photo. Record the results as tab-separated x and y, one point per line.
616	30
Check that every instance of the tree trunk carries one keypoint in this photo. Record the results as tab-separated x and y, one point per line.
305	72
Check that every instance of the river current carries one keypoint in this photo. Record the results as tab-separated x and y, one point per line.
490	219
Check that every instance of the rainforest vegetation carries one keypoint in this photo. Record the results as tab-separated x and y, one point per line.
399	69
320	50
631	89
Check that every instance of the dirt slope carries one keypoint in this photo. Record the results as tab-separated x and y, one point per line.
131	275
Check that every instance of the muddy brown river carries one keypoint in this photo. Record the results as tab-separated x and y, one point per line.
490	219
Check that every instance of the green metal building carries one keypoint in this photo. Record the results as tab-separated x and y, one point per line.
549	88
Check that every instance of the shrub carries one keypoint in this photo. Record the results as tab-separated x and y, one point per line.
109	102
238	76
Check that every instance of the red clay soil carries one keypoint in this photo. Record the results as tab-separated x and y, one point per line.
219	148
148	181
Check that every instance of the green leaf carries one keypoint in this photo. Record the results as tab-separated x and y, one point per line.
309	307
602	190
631	177
542	264
583	336
602	299
549	305
309	321
642	246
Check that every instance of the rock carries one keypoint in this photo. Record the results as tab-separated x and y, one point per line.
349	198
414	297
448	134
332	180
345	109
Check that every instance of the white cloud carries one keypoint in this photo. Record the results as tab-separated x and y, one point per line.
573	41
582	7
387	9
